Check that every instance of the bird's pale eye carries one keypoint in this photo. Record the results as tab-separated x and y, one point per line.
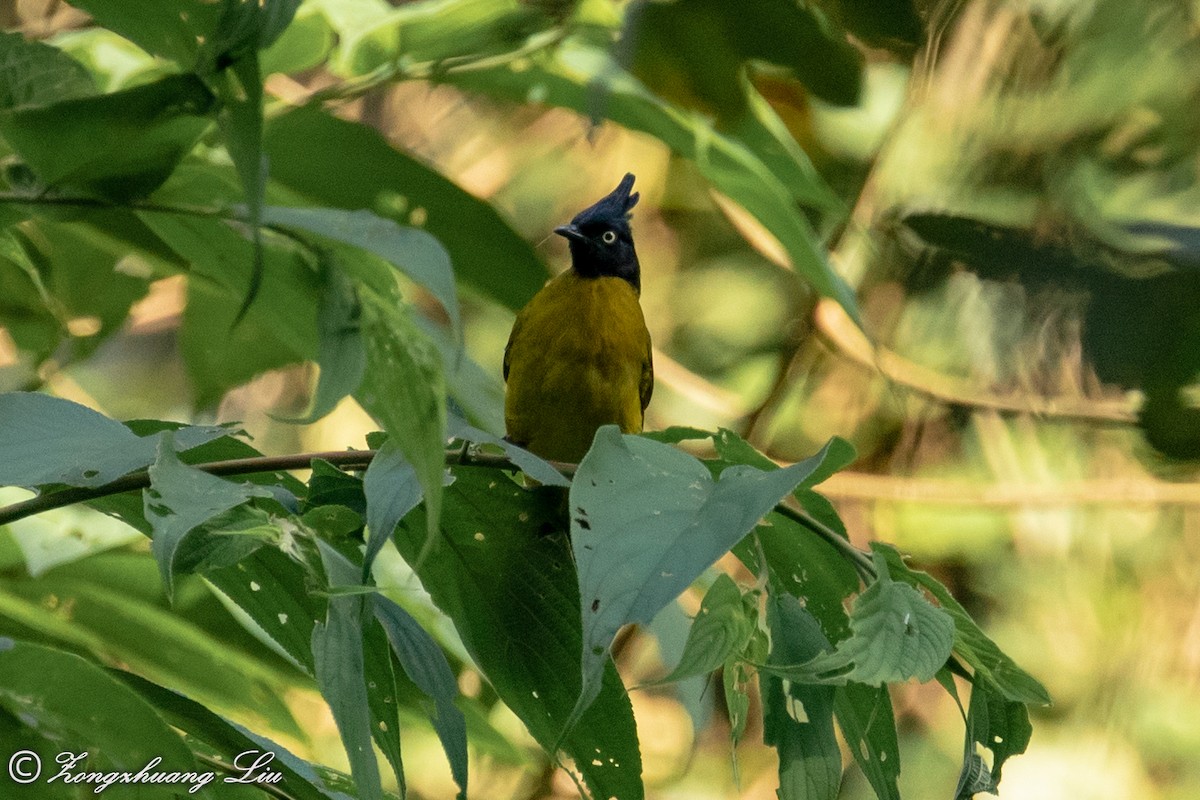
609	237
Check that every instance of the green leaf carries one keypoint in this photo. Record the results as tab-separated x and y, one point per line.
970	642
305	44
337	647
504	575
392	490
721	630
696	50
180	500
346	165
404	391
735	679
34	73
80	708
169	28
579	75
895	635
426	666
230	740
864	714
676	434
647	520
48	440
894	24
341	354
532	465
121	145
268	593
998	723
62	535
414	252
798	718
280	328
112	625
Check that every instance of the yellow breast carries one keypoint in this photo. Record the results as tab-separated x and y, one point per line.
578	358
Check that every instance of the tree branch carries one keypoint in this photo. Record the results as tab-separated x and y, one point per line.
361	459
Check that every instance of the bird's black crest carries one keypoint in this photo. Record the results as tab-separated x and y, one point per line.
616	205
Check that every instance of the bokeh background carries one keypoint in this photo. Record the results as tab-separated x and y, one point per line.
1021	428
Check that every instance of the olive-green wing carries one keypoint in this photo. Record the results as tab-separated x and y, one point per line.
512	337
646	385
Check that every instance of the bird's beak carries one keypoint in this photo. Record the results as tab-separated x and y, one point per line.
570	232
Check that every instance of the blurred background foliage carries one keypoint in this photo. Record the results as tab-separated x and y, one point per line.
1009	188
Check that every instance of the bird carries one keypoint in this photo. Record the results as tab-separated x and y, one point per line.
579	355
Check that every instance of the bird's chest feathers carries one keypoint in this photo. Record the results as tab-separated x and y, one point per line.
595	324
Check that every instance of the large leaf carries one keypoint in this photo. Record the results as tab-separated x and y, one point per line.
895	634
34	73
181	499
341	164
404	390
48	440
337	645
83	710
414	252
303	780
864	714
647	520
426	666
970	642
279	328
120	145
169	28
503	573
798	718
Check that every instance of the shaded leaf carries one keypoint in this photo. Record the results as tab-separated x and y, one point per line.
340	670
721	630
345	165
798	718
181	499
413	251
647	520
504	575
34	73
392	490
864	714
120	145
895	635
404	391
426	666
82	709
169	28
970	642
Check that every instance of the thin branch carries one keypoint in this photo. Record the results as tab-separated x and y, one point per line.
343	459
845	338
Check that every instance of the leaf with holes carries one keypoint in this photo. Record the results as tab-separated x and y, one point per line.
647	520
895	634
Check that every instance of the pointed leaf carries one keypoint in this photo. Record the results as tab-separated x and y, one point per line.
895	635
721	630
426	666
392	491
504	575
970	642
413	251
864	714
181	499
798	718
647	520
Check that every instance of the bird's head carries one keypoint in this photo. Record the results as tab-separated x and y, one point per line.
600	239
